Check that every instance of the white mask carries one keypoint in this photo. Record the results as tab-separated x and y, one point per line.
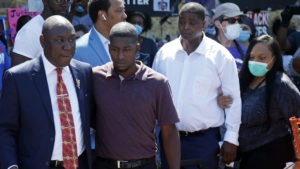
232	31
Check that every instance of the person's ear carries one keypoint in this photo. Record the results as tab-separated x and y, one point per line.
102	15
218	24
138	47
42	41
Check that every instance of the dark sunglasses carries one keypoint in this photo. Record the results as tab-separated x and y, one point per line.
232	20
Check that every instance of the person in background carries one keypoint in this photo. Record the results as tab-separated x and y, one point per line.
289	43
197	66
22	21
92	47
210	30
80	14
45	106
2	37
248	31
227	19
143	23
293	67
27	45
269	99
5	63
130	97
80	30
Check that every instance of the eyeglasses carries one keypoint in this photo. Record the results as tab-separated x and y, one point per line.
232	20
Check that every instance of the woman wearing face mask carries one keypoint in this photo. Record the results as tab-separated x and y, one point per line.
142	23
248	31
80	14
269	99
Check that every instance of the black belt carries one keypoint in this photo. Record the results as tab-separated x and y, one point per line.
56	163
195	133
127	163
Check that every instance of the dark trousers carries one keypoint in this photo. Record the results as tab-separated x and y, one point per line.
82	162
102	164
272	155
203	146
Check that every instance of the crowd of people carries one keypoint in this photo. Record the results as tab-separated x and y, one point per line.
85	89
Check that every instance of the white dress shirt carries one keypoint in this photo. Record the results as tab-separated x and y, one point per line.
68	80
195	78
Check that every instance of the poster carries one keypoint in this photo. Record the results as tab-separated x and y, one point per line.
260	20
13	14
161	5
153	7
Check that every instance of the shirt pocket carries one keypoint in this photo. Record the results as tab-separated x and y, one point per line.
202	86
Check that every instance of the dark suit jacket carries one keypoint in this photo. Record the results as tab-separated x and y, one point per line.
26	118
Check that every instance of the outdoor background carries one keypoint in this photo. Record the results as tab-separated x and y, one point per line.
271	7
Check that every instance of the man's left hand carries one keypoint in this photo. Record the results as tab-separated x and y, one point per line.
228	152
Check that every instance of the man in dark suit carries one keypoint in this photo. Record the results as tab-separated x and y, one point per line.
45	106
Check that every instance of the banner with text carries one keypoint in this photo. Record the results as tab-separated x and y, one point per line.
13	14
260	20
153	7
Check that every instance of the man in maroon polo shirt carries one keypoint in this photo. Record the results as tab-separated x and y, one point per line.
130	97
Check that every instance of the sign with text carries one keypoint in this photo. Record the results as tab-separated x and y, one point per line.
152	7
13	14
260	20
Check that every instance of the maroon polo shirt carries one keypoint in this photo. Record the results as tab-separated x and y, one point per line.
127	111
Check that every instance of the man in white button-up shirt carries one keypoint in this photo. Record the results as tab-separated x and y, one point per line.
196	67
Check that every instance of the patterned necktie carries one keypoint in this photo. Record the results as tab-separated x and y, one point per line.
69	146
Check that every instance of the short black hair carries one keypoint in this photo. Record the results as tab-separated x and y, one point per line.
123	29
22	21
95	6
195	8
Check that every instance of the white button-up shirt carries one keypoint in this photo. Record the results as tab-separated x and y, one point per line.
68	80
195	78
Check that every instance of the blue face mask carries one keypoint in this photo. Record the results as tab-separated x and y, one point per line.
244	36
211	30
257	69
79	9
138	28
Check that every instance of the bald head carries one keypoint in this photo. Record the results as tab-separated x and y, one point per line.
58	40
194	8
56	22
123	29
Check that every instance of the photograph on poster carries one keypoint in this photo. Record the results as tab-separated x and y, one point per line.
161	5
